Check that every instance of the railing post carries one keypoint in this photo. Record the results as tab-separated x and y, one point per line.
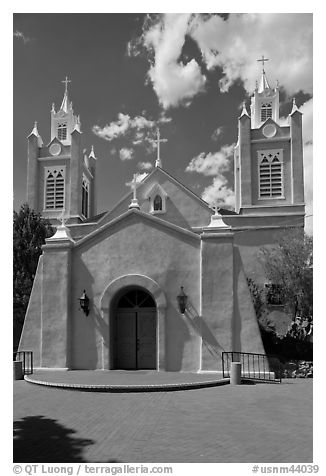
235	374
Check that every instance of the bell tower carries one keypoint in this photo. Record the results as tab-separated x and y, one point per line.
63	122
268	157
61	176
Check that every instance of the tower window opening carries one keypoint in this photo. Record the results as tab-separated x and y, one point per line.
271	174
62	131
158	204
54	188
266	111
85	197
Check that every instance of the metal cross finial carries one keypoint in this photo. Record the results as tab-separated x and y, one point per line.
263	59
158	141
66	81
134	186
134	202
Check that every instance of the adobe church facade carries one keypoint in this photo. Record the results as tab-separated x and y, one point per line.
133	260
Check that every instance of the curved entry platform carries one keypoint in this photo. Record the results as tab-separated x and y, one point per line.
124	380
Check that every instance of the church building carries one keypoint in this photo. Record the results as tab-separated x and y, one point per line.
159	281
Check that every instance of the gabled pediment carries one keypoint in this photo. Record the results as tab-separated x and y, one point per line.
155	189
183	207
138	216
55	140
270	129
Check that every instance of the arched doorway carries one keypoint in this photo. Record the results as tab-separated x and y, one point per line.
135	330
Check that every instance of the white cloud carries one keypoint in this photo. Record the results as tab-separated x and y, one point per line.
126	154
218	193
145	165
20	36
173	81
139	178
114	129
217	134
122	126
163	119
212	163
234	45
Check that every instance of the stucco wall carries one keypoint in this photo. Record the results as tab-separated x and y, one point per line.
217	299
135	246
55	306
31	333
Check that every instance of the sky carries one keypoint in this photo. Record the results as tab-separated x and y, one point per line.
189	74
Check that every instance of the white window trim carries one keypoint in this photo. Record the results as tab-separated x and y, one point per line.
266	152
62	123
266	106
151	194
51	169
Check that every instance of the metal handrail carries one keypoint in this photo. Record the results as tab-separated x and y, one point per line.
265	367
25	356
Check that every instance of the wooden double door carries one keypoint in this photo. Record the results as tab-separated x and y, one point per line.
136	333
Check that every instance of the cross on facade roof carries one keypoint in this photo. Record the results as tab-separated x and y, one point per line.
158	162
263	59
134	202
134	185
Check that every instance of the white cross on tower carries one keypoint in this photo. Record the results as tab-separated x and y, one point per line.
66	81
263	59
158	162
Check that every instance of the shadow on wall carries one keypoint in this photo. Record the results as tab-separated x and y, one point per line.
84	354
43	440
200	326
236	318
175	341
177	334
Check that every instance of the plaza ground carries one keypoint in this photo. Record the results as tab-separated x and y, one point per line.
226	424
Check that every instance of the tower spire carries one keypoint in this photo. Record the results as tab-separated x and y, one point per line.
263	80
65	102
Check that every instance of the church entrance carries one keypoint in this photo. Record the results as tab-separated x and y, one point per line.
135	331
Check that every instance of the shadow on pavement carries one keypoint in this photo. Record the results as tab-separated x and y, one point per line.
42	440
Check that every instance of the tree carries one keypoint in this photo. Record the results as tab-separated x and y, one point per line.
29	233
289	267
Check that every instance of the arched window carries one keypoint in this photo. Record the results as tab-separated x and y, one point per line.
62	130
157	199
270	174
54	188
266	111
158	205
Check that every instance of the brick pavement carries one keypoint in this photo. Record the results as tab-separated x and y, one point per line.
248	423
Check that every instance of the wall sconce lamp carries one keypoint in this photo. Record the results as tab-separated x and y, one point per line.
84	303
182	299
